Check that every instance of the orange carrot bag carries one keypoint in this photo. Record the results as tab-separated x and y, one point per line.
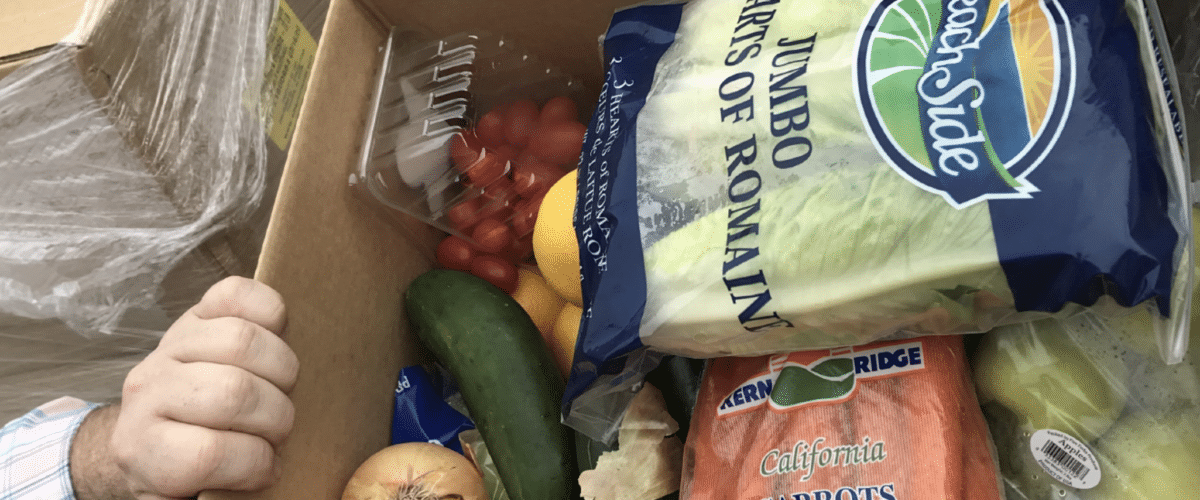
885	421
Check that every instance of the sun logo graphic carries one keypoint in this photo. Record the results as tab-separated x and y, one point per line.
964	98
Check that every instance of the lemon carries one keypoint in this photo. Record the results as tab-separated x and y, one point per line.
540	302
554	244
566	331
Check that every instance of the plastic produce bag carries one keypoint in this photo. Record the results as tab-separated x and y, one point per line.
768	176
123	151
890	420
423	412
1084	409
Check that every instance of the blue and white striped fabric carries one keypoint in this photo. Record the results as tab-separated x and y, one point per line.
34	451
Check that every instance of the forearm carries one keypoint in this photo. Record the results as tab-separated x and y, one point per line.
94	472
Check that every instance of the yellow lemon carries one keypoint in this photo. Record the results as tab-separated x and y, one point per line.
540	301
566	331
554	244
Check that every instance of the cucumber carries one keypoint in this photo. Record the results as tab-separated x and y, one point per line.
507	377
678	378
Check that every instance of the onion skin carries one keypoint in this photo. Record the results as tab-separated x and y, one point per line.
416	471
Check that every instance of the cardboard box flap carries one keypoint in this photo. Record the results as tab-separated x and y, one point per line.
341	270
30	25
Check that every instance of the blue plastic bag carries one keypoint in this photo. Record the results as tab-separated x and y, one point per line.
422	413
778	175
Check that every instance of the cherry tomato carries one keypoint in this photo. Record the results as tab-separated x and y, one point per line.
496	271
520	249
559	109
558	142
507	152
519	120
525	216
525	157
464	214
490	128
455	253
498	199
487	169
492	235
533	179
465	148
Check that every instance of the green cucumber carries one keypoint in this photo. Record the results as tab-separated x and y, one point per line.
507	377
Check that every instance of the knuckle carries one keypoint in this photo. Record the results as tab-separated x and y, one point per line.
235	388
208	452
230	294
259	475
271	304
239	340
286	420
291	369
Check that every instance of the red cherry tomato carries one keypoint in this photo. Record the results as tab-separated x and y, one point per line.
496	271
525	157
464	214
525	216
455	253
533	179
519	120
507	152
487	169
520	249
490	128
465	148
492	236
558	142
498	199
559	109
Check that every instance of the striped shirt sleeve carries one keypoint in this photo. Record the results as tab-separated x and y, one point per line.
35	450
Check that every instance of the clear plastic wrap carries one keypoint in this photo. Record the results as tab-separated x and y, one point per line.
123	151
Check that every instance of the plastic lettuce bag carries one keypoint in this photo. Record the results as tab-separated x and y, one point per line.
778	175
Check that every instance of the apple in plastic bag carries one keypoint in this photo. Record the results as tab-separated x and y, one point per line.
1041	374
1150	457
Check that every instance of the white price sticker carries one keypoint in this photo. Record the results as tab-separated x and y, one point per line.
1065	458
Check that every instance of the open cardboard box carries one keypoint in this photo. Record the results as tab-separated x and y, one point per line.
341	268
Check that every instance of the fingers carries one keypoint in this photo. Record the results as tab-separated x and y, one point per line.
234	342
207	408
188	459
243	298
226	398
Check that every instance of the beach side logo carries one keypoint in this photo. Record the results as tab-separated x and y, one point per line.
790	383
965	98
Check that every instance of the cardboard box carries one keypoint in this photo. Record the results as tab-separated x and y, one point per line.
341	268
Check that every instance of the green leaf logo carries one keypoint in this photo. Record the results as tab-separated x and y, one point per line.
798	385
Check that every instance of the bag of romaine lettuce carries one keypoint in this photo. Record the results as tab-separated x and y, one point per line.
765	176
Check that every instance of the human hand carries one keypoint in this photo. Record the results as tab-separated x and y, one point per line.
208	408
